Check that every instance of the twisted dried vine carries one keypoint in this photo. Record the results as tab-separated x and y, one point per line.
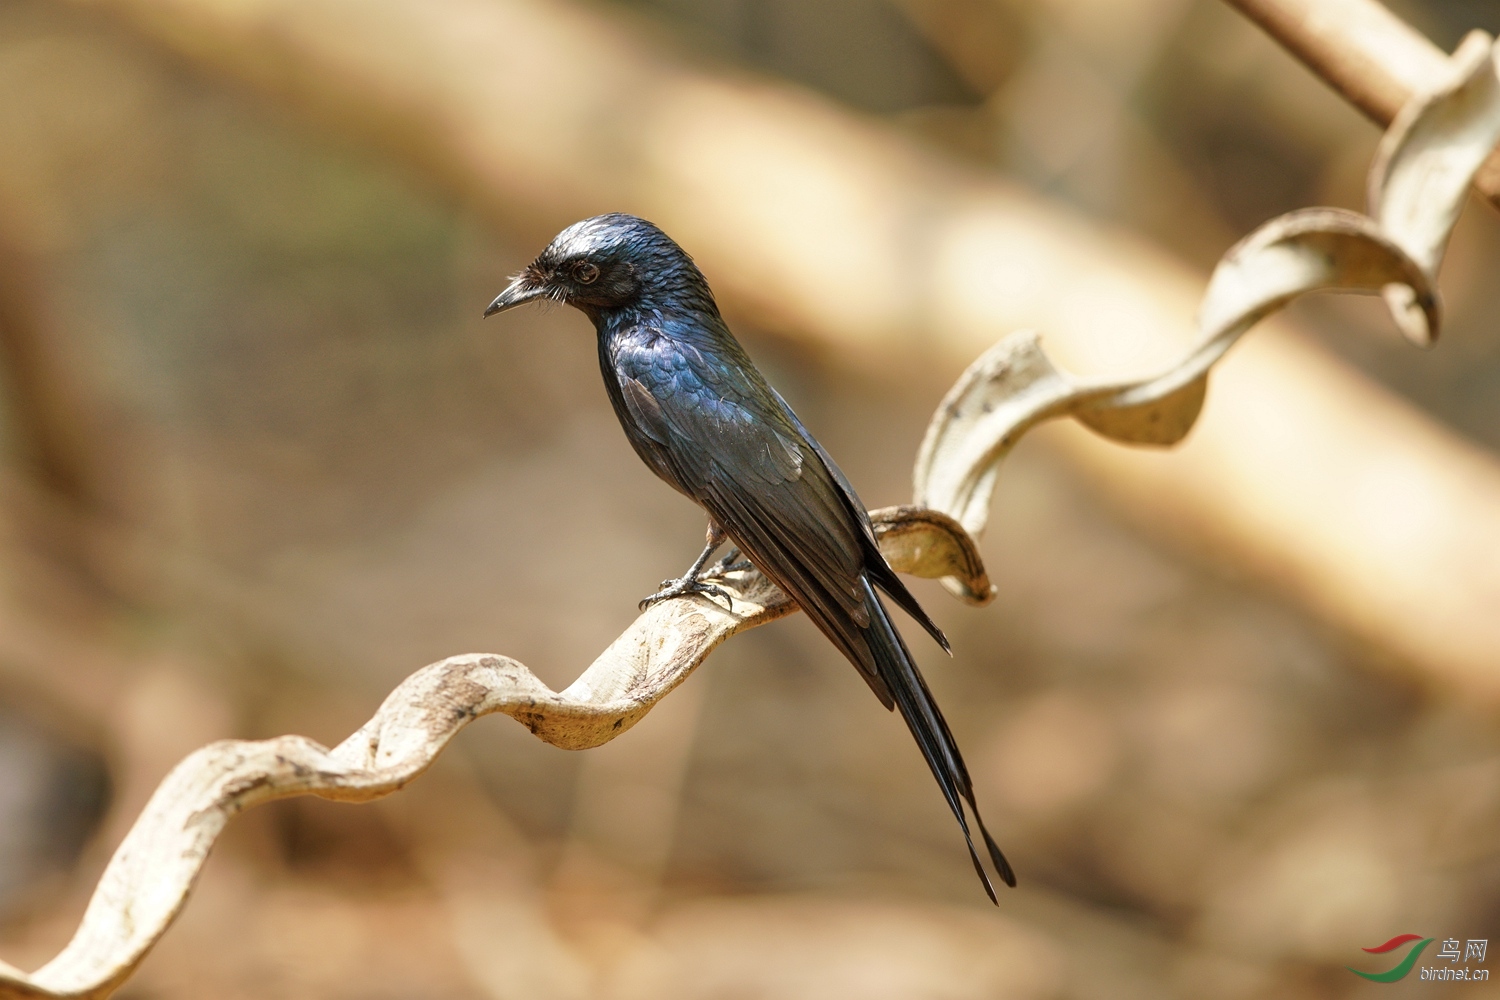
1417	187
1418	183
147	881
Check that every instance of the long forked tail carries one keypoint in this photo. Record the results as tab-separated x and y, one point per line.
924	719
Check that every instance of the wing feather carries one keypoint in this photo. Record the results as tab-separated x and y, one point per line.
734	445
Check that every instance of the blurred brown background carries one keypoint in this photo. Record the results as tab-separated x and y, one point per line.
262	460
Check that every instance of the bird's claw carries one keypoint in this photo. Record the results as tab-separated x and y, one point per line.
680	588
731	563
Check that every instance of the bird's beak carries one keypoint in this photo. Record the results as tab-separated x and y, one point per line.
520	290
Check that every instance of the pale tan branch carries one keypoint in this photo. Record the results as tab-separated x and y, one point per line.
1369	55
148	880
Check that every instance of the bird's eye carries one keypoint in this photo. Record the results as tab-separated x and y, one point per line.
585	273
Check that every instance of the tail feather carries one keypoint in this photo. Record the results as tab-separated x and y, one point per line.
922	716
886	579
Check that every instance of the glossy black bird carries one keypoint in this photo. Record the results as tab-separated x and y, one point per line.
704	419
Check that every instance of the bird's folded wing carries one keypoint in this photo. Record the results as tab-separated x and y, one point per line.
740	454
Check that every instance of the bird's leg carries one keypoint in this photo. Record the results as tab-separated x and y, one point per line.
689	583
731	563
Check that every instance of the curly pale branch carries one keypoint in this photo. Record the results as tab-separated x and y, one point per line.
148	879
1418	182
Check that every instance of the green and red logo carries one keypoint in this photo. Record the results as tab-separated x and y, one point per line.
1452	951
1404	966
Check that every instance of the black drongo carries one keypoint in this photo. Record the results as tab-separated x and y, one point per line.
704	419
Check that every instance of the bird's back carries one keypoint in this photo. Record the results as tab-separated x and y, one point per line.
703	418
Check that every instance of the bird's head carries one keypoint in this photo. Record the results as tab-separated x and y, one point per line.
599	264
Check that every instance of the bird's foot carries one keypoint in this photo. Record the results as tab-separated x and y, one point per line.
731	563
684	586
